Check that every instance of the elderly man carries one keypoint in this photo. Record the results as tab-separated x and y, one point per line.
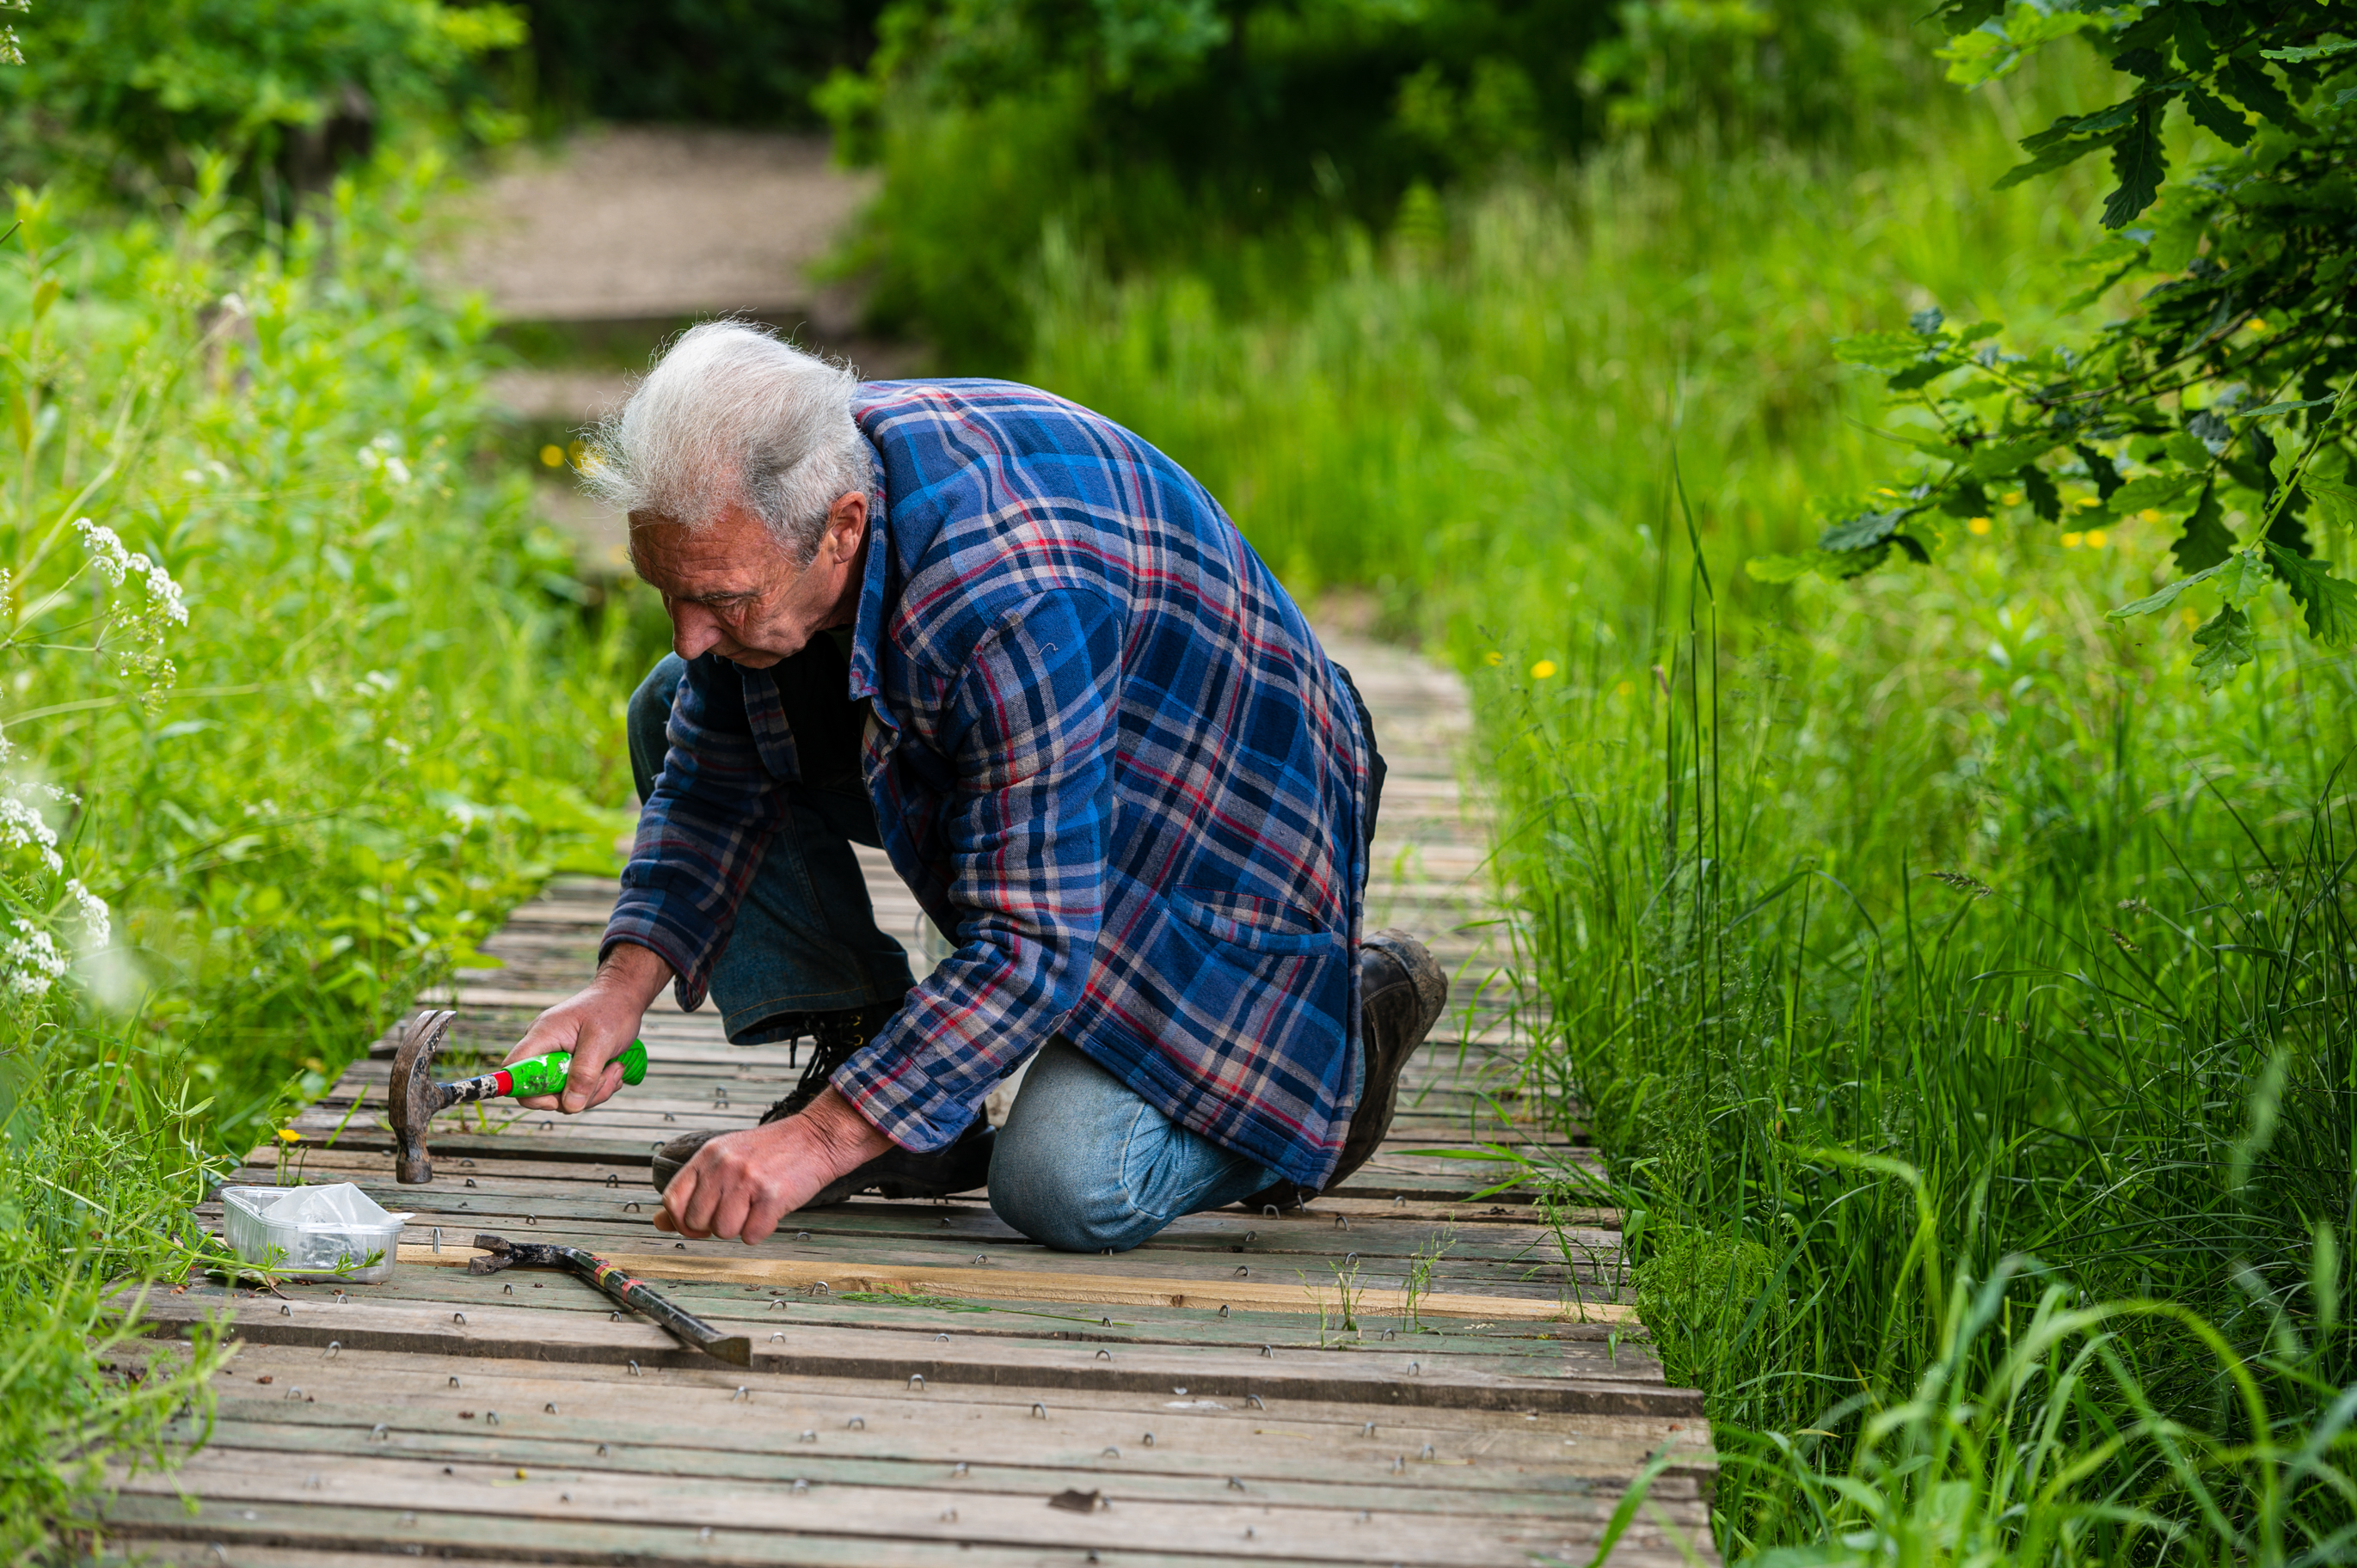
1024	653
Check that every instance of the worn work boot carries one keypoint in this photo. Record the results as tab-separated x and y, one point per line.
895	1173
1402	992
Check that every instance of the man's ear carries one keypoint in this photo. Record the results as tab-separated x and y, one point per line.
846	523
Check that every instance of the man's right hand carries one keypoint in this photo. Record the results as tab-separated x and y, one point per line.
597	1025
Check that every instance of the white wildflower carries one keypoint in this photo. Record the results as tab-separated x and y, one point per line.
97	919
108	557
383	455
162	593
21	827
33	961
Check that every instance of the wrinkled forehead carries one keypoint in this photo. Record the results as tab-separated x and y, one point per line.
726	557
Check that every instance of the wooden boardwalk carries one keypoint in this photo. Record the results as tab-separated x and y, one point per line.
1412	1370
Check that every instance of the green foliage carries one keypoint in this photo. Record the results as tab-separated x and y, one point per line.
1156	133
2218	407
233	845
100	1161
1708	1300
739	62
134	90
381	720
1878	931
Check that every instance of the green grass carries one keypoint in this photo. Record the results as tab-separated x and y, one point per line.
1962	1001
386	717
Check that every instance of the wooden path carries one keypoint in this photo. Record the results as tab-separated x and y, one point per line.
1410	1370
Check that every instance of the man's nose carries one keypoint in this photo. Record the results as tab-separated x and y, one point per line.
695	631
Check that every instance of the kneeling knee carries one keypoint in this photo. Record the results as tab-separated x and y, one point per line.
1045	1201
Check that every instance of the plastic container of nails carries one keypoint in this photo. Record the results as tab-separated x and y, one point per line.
313	1232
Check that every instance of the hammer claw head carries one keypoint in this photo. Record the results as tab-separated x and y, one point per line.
411	1096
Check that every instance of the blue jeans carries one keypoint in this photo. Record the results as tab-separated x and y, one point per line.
1083	1165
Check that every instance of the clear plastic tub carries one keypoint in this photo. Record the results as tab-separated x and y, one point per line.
314	1232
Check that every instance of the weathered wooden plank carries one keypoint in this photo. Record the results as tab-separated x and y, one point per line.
705	1402
1476	1488
943	1513
1395	1375
267	1534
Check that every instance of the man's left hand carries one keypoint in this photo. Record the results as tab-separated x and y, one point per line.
742	1183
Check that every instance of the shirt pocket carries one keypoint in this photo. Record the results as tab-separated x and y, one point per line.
1246	921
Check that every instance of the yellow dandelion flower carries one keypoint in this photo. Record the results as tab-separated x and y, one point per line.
1543	669
1625	689
2095	537
552	455
1886	490
288	1135
2255	325
2011	497
1493	658
1978	525
2089	501
2149	514
2073	540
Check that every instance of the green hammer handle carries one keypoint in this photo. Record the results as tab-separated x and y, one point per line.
537	1075
546	1074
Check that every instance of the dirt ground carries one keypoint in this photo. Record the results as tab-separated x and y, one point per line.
652	222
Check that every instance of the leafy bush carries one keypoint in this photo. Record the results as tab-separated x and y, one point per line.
380	719
737	62
1160	132
384	719
131	93
2218	411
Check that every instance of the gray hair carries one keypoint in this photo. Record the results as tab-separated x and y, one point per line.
732	415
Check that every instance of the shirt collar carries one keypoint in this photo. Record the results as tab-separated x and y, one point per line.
867	629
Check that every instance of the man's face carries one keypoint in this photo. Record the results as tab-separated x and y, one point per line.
732	589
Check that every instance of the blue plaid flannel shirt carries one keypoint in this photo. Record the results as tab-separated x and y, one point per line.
1108	756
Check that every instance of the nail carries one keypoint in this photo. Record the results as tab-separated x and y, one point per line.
1039	1411
459	1318
916	1381
1253	1401
856	1423
1104	1355
550	1407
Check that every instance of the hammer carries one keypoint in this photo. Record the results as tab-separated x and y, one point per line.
734	1348
414	1097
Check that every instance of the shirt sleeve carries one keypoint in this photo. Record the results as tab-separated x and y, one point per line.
1030	730
701	834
